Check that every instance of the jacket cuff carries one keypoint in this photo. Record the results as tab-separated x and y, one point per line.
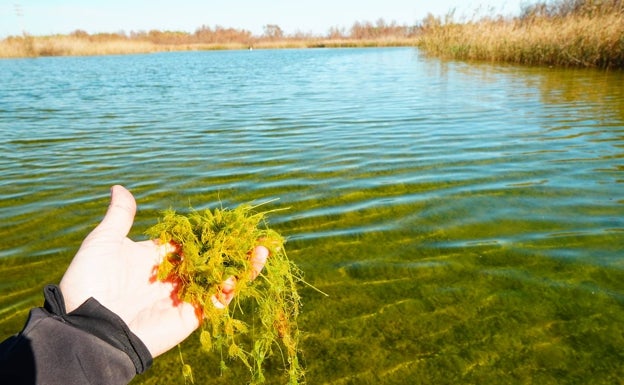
95	319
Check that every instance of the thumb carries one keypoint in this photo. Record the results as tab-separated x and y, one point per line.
120	215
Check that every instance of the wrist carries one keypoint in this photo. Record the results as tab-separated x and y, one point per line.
95	319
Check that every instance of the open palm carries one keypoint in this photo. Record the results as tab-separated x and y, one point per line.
121	275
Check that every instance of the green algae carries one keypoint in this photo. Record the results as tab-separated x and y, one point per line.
211	247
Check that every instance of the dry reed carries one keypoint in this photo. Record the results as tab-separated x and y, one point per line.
559	36
62	45
572	33
30	46
362	34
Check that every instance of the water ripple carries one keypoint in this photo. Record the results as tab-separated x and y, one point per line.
438	184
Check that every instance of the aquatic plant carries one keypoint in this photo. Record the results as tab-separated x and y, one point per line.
213	246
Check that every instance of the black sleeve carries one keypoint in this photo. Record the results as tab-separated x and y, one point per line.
90	345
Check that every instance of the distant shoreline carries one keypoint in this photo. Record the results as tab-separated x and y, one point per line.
80	43
64	45
564	33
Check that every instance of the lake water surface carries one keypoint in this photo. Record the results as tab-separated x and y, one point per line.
466	220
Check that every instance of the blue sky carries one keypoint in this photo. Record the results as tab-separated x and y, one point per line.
43	17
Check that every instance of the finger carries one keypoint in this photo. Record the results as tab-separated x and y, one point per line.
121	211
258	259
225	294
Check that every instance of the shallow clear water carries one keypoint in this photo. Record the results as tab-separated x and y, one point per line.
467	220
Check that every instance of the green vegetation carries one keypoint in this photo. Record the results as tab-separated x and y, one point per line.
570	33
212	247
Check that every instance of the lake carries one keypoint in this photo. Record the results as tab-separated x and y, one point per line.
466	220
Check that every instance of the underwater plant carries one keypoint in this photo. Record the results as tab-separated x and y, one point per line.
213	246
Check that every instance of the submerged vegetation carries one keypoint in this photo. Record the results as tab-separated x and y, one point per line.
214	246
472	237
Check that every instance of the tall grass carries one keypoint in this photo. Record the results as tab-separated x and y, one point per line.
30	46
572	33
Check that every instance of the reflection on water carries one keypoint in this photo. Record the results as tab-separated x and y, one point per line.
466	219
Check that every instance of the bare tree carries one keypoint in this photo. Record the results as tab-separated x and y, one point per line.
273	31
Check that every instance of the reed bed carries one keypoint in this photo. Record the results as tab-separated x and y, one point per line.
64	45
80	43
61	45
387	41
566	33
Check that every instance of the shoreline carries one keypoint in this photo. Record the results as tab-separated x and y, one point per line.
564	33
65	45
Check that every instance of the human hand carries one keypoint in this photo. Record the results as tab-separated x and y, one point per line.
121	275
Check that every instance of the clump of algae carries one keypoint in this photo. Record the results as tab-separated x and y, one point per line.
214	245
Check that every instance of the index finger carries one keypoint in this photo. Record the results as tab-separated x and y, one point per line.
259	256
